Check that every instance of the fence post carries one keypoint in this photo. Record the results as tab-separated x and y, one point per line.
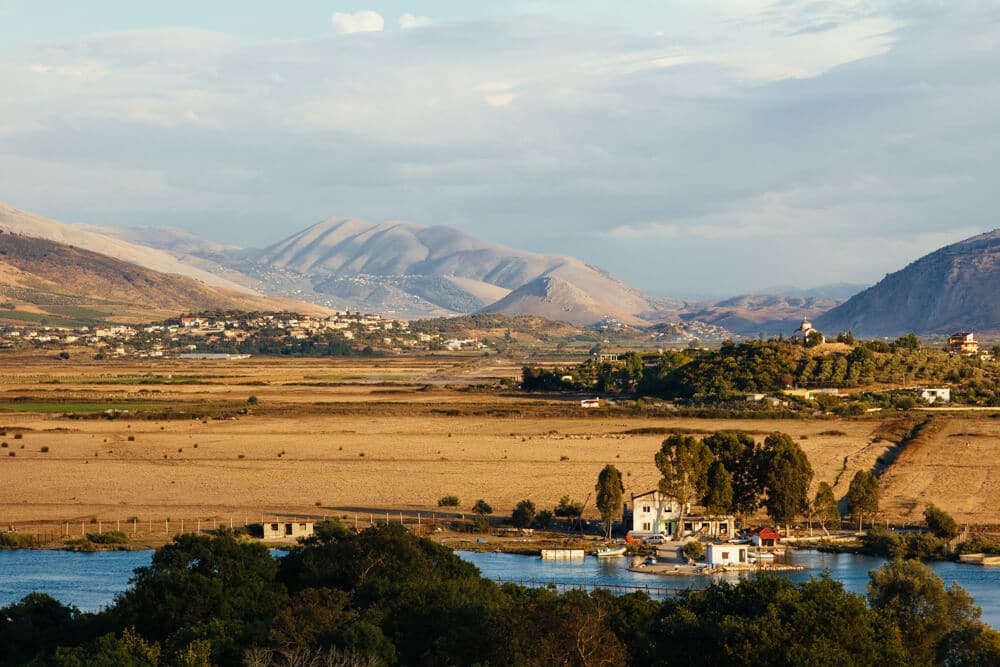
166	526
100	527
134	521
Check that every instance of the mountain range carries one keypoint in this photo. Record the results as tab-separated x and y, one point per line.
409	271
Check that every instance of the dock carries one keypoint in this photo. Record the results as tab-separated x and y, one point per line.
563	554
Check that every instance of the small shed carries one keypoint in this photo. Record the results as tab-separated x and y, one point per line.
765	537
287	530
721	555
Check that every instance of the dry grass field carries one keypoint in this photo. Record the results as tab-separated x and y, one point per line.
328	436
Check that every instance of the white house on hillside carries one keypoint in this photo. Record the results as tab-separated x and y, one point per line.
653	512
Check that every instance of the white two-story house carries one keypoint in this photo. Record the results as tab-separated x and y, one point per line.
654	512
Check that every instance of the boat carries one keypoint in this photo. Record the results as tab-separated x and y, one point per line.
608	552
760	557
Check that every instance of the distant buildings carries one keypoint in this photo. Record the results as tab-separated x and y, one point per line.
964	343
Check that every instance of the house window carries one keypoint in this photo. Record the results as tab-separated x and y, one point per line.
725	555
274	527
645	508
688	525
288	529
723	527
647	527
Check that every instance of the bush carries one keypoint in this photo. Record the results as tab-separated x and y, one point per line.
940	522
45	450
524	514
110	537
448	501
16	541
252	400
543	520
482	508
693	550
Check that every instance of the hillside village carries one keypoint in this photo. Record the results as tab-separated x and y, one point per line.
236	334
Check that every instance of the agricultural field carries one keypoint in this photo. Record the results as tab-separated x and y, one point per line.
262	436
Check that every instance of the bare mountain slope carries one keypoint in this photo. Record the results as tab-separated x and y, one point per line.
44	277
346	257
98	240
954	288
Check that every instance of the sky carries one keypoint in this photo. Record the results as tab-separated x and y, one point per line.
690	147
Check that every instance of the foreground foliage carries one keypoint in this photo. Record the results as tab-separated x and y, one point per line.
385	597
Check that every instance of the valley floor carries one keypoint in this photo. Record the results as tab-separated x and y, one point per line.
326	437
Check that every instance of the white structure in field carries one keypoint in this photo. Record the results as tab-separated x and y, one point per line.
720	555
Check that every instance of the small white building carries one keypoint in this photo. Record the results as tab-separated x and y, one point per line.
721	555
287	530
935	394
590	403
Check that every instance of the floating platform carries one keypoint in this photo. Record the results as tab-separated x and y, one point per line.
563	554
979	559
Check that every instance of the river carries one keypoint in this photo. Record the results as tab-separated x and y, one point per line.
90	581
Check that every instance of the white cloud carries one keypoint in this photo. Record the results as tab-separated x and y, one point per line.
364	20
407	21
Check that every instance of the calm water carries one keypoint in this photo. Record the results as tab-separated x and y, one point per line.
91	581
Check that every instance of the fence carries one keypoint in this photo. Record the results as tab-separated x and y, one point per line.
166	528
617	589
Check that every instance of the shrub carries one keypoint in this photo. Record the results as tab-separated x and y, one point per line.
693	550
45	450
564	458
18	436
110	537
448	501
131	438
543	520
3	445
523	514
252	400
482	508
940	522
16	540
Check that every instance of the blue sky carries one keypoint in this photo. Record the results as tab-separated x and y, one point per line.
690	147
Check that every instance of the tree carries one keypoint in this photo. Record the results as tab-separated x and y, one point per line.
683	461
569	509
906	342
214	588
862	495
938	625
719	497
482	508
940	522
825	506
787	478
523	514
609	490
741	456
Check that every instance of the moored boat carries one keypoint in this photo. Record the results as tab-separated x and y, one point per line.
608	552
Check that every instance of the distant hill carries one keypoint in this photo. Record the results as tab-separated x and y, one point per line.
41	279
767	314
954	288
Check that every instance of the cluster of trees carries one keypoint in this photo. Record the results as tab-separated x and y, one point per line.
766	366
385	597
729	471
